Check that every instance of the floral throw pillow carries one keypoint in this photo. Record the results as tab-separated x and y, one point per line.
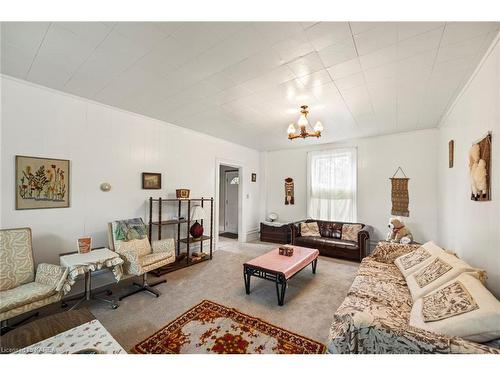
451	300
433	271
414	258
309	229
350	232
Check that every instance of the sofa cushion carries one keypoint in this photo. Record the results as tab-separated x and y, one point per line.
309	229
330	229
24	295
350	232
419	258
460	316
388	252
437	273
325	241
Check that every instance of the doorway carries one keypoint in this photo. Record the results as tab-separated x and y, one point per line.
229	185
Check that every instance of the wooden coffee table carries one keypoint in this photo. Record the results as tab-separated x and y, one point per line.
279	268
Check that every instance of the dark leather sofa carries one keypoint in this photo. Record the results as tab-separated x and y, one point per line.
330	243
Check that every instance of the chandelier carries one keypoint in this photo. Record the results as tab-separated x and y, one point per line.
304	128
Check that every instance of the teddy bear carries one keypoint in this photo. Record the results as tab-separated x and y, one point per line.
478	172
398	232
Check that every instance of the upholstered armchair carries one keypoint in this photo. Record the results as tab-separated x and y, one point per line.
129	239
21	289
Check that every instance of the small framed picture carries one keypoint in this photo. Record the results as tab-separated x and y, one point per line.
151	180
84	245
254	177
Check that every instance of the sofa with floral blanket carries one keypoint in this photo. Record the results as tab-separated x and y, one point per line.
375	315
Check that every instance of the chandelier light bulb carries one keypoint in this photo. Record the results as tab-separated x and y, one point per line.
303	120
291	129
318	127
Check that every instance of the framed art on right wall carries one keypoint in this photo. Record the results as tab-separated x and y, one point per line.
480	169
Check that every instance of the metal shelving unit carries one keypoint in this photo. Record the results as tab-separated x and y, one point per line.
180	262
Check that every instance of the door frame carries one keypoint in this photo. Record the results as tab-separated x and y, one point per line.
225	194
239	166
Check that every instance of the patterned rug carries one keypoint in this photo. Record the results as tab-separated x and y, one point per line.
210	328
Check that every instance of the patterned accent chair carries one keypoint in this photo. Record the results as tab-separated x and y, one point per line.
21	289
129	239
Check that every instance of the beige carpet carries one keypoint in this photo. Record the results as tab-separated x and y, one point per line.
310	300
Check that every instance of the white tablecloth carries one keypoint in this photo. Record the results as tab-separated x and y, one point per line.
91	335
79	264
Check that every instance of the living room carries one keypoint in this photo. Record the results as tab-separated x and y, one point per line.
184	185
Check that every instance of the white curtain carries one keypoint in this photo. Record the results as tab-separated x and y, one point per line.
332	185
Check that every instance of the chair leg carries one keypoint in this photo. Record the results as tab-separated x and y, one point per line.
6	327
144	287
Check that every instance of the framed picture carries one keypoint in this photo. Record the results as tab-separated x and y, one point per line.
151	180
254	177
84	245
41	183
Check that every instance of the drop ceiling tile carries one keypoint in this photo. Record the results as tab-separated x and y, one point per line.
463	31
26	36
459	50
345	68
410	29
421	43
382	56
306	65
292	48
376	39
64	48
358	100
338	53
231	94
270	79
274	32
324	34
253	66
15	61
89	32
361	27
315	79
354	80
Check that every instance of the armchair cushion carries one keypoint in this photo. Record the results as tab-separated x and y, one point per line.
51	275
166	245
152	258
16	258
24	295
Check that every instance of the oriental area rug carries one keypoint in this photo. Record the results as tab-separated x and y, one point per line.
210	328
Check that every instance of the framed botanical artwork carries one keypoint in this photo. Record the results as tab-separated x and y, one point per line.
41	183
254	177
84	245
151	180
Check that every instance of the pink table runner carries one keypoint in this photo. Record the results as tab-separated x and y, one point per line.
288	266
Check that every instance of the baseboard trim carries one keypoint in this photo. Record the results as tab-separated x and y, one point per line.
252	235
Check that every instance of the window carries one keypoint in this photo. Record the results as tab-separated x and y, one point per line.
235	181
331	185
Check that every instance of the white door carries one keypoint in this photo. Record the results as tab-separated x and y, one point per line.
231	202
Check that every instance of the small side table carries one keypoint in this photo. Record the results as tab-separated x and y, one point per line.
85	264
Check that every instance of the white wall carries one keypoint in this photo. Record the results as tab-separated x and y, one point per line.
105	144
378	158
472	229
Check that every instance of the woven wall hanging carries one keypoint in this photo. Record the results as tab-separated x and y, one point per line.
399	194
289	193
